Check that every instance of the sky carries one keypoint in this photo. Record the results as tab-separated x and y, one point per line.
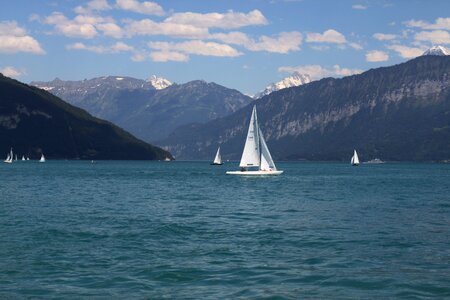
240	44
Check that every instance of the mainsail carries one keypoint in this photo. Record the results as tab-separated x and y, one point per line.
251	154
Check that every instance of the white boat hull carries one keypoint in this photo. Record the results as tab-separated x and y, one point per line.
254	173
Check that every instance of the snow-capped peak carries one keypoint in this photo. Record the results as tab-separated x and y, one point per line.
159	83
437	50
295	79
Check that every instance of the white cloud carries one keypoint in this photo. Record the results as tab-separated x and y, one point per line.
435	37
84	26
164	56
317	71
11	28
227	20
282	43
406	52
146	7
13	44
149	27
355	46
440	23
71	28
12	72
138	57
196	47
285	42
376	56
115	48
384	36
110	29
14	38
329	36
93	5
359	6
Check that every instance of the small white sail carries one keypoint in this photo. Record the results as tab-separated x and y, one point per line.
218	158
9	157
355	160
23	157
42	158
251	153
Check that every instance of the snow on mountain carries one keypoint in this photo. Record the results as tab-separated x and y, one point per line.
437	50
295	79
159	83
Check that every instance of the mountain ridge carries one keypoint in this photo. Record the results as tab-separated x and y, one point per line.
150	114
387	112
34	121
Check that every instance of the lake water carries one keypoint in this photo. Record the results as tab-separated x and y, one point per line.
185	230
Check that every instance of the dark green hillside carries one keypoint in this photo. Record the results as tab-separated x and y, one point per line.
33	120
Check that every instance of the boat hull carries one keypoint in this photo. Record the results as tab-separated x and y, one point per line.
254	173
216	164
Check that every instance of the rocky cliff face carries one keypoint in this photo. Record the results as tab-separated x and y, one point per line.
396	113
148	113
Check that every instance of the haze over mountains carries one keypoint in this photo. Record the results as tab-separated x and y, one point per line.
149	109
400	112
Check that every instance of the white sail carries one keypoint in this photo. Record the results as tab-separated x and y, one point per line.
266	159
256	153
9	157
355	159
251	154
218	158
23	157
42	158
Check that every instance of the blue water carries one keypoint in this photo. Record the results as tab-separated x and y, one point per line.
186	230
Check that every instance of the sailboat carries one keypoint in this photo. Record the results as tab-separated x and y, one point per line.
23	157
218	159
42	160
256	158
355	160
9	157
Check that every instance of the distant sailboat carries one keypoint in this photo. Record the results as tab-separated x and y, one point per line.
15	158
218	159
42	160
28	158
23	157
355	160
256	154
9	157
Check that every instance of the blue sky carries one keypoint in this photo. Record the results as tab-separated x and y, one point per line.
239	44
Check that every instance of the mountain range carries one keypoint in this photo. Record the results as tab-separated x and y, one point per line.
152	109
33	121
401	112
